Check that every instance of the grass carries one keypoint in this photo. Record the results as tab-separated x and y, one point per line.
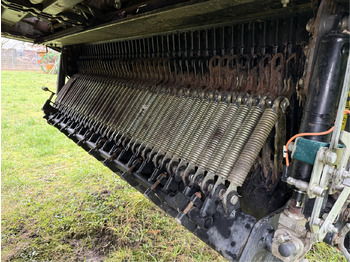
59	203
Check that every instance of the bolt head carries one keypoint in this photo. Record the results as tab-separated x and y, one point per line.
285	3
309	25
301	82
331	228
344	24
117	4
280	239
346	174
269	102
257	101
318	222
234	200
331	157
284	104
283	238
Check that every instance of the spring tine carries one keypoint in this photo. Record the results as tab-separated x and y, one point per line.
217	135
178	139
145	112
200	136
277	74
154	108
252	147
99	100
135	107
74	92
170	121
147	127
182	115
239	140
151	136
125	125
93	100
181	149
229	135
62	95
110	102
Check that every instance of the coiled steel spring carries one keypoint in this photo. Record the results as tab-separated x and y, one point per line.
186	137
169	121
110	102
253	147
62	95
144	112
218	134
154	126
77	105
76	92
239	141
174	147
207	132
146	123
173	132
70	89
173	125
141	105
119	107
227	138
129	117
149	123
108	85
196	136
157	129
130	110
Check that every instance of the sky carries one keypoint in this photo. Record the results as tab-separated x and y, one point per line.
7	43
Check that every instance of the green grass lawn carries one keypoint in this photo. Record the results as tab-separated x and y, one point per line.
59	203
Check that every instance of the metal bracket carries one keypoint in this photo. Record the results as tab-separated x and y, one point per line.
306	150
319	227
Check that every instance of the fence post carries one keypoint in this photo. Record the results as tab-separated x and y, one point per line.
13	65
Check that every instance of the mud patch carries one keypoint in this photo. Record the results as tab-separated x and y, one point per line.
104	243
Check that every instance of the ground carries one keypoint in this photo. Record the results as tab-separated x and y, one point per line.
59	203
